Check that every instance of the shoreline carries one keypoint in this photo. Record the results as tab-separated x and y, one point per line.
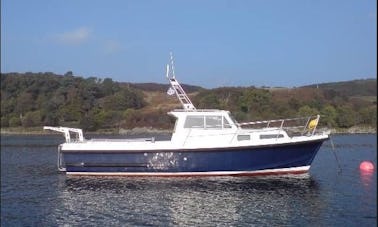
140	131
127	132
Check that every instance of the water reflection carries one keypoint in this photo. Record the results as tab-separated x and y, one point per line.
189	201
366	177
368	196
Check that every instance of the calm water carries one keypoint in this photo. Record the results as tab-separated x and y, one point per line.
33	193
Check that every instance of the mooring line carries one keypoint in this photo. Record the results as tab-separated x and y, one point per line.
334	153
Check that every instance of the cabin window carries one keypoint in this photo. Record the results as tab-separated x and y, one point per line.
226	124
213	122
243	137
194	122
233	119
271	136
208	122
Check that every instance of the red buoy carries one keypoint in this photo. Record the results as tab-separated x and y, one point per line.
366	166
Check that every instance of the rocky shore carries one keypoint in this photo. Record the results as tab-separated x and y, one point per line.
354	130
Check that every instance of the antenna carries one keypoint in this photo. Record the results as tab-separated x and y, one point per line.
175	85
172	65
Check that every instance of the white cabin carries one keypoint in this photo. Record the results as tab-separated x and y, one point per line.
204	128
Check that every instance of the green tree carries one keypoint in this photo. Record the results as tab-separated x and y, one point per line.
14	121
328	116
345	117
4	121
368	116
31	119
68	74
130	117
70	112
8	105
25	102
294	103
123	100
88	121
257	100
109	87
305	111
209	101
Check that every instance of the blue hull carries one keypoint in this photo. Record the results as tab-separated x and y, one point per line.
193	162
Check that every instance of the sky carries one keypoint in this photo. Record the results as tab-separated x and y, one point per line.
215	43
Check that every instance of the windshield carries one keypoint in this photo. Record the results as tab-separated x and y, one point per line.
232	119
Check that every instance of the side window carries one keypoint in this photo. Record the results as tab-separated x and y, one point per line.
194	122
213	122
209	122
271	136
243	137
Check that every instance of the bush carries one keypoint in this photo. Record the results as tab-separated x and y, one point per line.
32	119
4	122
14	122
345	117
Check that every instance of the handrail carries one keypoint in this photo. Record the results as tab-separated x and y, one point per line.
309	128
152	139
66	131
310	125
271	121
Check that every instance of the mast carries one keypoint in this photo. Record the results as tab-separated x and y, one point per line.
175	85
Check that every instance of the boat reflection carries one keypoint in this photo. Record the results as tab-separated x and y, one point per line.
192	201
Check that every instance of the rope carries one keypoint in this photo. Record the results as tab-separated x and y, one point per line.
334	153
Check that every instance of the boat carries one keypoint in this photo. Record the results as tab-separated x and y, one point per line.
204	142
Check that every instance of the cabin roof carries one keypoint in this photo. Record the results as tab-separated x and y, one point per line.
199	112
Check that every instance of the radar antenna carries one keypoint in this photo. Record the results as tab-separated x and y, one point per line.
175	85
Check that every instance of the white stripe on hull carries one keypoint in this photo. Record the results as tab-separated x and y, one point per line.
293	170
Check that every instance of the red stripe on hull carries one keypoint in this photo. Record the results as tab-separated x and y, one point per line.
215	174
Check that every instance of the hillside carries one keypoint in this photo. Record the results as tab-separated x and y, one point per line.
37	99
366	87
